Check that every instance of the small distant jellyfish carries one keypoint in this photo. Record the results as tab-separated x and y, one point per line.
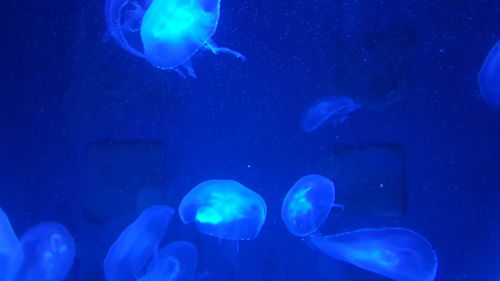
333	109
135	246
225	209
49	252
489	77
174	262
307	204
11	251
397	253
171	31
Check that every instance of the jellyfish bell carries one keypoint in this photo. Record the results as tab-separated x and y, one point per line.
135	246
225	209
11	251
489	77
333	109
49	251
397	253
170	31
175	262
123	21
307	204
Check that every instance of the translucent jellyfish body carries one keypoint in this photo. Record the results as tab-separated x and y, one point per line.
174	262
307	204
225	209
49	252
11	251
397	253
489	77
135	246
171	31
334	109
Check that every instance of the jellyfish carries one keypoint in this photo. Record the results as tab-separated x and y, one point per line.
225	209
489	77
174	262
307	204
171	31
135	246
334	109
397	253
11	251
49	252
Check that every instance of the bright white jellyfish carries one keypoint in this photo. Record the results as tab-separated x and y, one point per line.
307	204
489	77
49	252
167	33
332	109
11	251
225	209
397	253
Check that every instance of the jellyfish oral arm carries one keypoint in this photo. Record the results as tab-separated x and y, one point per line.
211	46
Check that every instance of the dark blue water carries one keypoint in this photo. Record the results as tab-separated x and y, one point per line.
91	136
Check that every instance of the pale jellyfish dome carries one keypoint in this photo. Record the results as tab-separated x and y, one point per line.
332	108
398	253
134	247
49	252
225	209
307	204
11	251
489	77
175	262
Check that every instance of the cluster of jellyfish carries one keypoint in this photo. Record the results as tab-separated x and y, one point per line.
227	210
45	252
167	33
397	253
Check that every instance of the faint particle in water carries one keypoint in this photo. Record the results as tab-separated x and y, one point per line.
135	246
171	31
174	262
49	252
307	204
398	253
334	109
225	209
11	252
489	77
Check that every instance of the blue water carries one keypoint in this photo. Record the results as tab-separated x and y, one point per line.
91	135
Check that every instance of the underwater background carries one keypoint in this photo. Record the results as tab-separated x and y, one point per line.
91	136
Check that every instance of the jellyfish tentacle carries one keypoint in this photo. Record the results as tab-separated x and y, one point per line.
212	46
185	67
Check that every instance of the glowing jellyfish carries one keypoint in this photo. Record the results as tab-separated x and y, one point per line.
135	246
334	109
489	77
174	262
307	204
225	209
11	251
171	31
397	253
49	252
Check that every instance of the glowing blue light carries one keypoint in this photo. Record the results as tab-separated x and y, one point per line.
489	77
397	253
171	31
307	204
135	246
174	262
225	209
11	252
49	252
335	109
